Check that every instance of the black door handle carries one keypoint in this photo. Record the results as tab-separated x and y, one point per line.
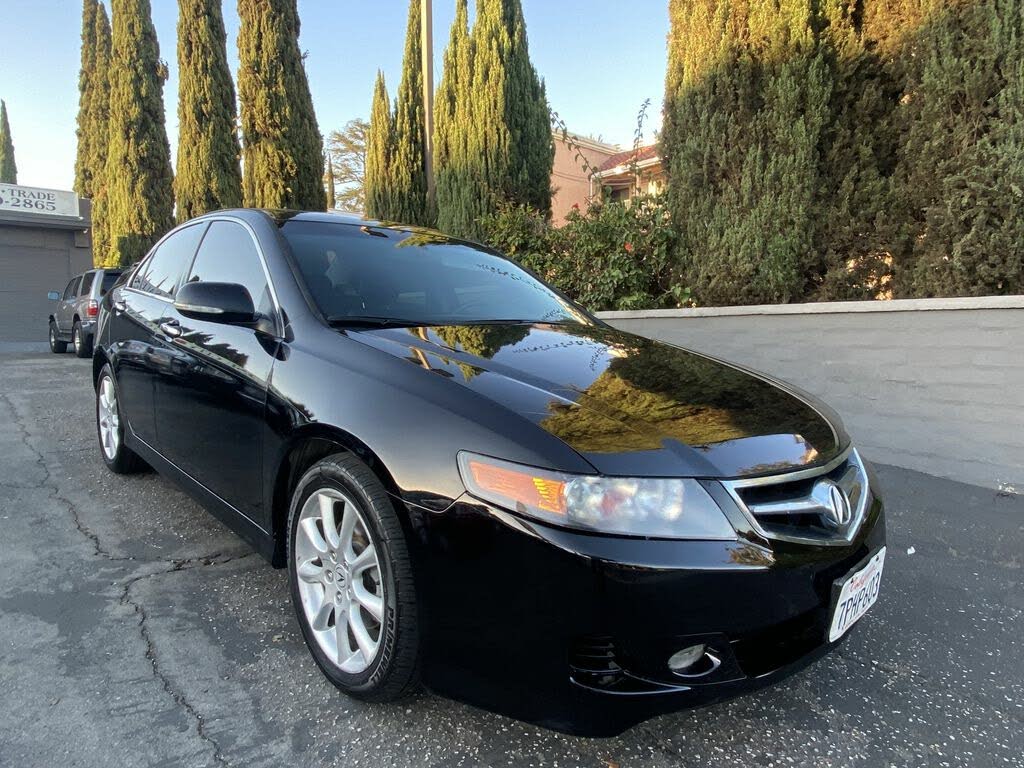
171	328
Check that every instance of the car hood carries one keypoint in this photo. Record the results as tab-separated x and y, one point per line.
629	405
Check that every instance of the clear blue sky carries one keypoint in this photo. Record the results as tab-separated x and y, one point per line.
600	59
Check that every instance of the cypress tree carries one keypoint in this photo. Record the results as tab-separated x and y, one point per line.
98	114
282	146
959	184
208	177
8	168
329	181
458	194
84	172
505	129
408	178
776	150
139	203
379	150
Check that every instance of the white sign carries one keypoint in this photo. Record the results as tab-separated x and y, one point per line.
45	202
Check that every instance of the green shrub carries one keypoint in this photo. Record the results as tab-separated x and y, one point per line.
610	256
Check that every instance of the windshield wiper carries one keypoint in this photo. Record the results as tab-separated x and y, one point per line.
371	321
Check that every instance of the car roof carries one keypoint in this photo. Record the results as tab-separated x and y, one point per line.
281	216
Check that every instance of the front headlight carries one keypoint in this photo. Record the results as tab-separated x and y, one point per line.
660	507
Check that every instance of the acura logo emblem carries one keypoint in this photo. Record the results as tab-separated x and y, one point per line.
835	507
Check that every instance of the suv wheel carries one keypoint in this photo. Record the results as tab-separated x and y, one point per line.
352	582
81	344
56	345
110	427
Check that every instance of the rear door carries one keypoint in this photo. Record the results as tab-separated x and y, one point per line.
66	307
210	403
139	342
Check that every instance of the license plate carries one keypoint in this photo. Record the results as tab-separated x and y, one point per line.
858	593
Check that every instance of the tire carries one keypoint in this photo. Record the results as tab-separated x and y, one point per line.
350	488
81	343
57	346
118	457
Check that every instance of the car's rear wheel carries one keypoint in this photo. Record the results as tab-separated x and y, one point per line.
80	342
352	581
57	346
110	427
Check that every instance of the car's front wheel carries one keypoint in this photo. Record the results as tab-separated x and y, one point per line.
351	580
110	427
57	346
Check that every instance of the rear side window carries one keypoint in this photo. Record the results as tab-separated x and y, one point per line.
87	280
228	255
162	271
109	278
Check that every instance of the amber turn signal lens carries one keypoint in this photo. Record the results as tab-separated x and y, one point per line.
542	493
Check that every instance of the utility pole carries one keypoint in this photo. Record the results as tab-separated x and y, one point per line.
427	48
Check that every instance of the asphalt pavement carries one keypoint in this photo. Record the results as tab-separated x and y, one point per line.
136	630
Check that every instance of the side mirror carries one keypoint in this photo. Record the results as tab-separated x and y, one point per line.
228	303
53	295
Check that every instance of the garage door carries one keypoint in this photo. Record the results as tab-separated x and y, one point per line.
26	274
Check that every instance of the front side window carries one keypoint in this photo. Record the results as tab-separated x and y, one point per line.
228	255
375	273
72	290
163	269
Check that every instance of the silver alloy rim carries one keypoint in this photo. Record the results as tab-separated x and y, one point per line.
53	337
339	580
78	338
109	420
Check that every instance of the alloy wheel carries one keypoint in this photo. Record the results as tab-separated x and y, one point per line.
339	580
110	437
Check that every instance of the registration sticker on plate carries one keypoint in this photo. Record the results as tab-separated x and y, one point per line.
859	592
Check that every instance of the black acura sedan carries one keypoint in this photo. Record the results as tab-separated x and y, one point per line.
476	484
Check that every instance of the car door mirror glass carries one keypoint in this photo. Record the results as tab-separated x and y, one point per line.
53	295
228	303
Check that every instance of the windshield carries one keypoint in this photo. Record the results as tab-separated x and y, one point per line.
368	274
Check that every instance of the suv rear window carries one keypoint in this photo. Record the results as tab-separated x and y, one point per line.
87	280
109	278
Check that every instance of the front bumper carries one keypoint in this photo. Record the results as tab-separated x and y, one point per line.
573	631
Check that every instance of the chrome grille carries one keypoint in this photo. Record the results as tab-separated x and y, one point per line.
823	505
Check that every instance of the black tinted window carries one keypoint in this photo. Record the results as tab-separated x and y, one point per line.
109	278
228	255
373	272
164	268
87	280
72	289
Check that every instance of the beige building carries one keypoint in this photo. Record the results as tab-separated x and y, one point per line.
625	175
585	168
576	159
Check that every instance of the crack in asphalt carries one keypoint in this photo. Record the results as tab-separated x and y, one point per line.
49	484
177	695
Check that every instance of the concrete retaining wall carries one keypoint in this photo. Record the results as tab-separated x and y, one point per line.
935	385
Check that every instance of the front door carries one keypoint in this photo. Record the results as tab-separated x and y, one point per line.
137	337
210	402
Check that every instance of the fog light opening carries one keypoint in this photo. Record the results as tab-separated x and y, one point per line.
693	661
